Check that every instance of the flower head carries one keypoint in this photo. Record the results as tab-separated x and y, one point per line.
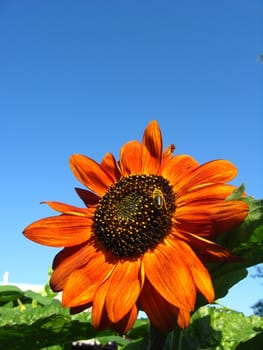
143	238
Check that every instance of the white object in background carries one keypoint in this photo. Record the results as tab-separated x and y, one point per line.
6	278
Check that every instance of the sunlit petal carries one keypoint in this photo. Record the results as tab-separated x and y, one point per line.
208	250
183	318
205	195
82	283
125	276
110	166
161	313
165	272
198	271
99	314
90	173
152	148
70	209
60	231
211	218
179	168
216	171
68	260
130	158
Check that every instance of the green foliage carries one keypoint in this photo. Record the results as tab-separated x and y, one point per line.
37	322
29	320
215	328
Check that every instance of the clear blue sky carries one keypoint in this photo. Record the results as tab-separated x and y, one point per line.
86	76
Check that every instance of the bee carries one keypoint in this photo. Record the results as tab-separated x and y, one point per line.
158	199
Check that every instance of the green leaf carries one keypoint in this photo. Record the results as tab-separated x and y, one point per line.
237	193
140	329
10	294
27	324
40	299
254	343
137	344
42	323
215	328
138	336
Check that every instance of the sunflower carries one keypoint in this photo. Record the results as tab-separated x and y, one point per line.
144	236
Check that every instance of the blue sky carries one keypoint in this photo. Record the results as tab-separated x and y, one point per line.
87	76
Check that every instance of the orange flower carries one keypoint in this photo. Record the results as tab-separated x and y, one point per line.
144	235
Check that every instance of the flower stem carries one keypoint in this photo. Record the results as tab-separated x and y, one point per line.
156	339
176	339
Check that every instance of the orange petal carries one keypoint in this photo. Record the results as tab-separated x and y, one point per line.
124	289
205	194
161	314
170	276
126	323
152	148
77	309
60	231
68	260
99	315
130	158
65	262
213	218
70	209
199	272
89	198
183	318
208	250
178	168
111	167
231	215
216	171
75	289
90	173
82	283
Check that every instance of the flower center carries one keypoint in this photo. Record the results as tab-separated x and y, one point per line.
134	215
